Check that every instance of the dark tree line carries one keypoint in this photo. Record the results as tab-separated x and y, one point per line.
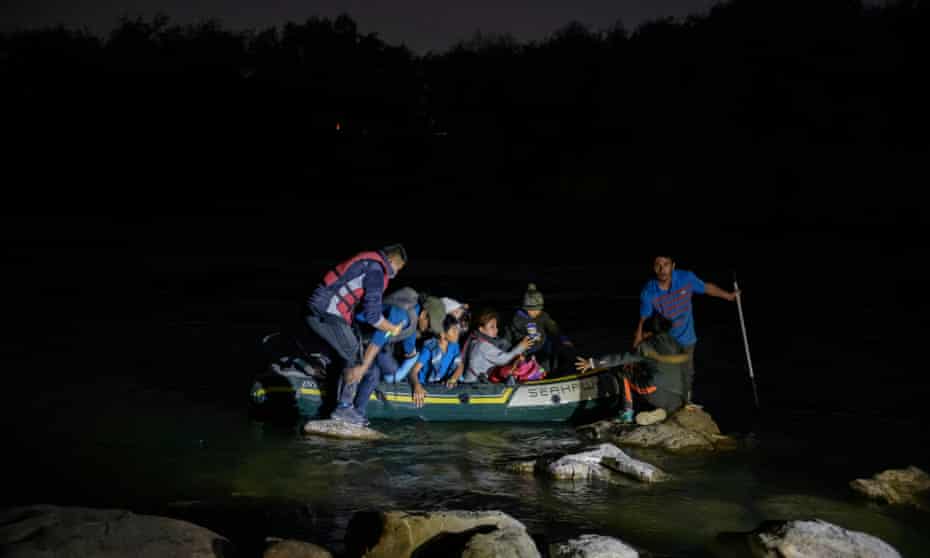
817	82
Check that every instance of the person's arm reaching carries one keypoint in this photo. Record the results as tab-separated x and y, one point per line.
714	290
371	302
419	392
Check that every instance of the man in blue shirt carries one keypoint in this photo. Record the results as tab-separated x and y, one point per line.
669	294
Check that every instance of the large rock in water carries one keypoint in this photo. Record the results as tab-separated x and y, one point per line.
596	462
467	534
687	429
52	531
592	546
814	539
896	486
343	430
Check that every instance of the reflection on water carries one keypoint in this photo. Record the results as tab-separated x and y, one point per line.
156	450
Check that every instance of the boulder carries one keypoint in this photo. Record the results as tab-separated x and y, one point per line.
52	531
597	463
400	534
896	486
687	429
592	546
815	539
343	430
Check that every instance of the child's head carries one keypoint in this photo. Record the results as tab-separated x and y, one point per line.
487	322
656	324
450	328
532	301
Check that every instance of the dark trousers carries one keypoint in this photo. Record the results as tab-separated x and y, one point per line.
384	363
687	371
346	346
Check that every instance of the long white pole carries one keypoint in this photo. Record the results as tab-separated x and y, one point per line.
742	323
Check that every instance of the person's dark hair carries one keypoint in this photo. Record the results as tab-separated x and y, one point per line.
657	323
449	321
486	315
396	250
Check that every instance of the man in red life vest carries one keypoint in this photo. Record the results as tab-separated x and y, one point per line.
362	279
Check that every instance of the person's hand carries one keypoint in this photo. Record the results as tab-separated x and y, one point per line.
733	296
450	383
419	394
354	375
525	343
582	364
394	329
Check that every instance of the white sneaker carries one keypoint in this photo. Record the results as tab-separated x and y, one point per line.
646	418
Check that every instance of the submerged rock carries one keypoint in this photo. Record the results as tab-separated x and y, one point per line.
598	463
522	467
445	533
592	546
295	549
37	531
815	539
343	430
896	486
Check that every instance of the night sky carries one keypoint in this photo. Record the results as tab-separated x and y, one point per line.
420	24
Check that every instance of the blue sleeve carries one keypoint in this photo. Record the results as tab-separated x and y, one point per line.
395	315
697	286
645	302
410	344
374	288
425	355
424	360
379	338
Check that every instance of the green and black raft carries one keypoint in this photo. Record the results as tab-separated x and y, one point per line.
579	398
290	385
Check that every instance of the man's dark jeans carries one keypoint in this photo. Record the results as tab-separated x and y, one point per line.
345	343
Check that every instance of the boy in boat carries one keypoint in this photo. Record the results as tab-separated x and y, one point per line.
551	349
439	361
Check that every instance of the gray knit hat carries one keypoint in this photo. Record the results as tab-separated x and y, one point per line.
532	299
436	312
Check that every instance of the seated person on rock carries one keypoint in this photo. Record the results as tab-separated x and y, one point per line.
439	361
658	380
553	350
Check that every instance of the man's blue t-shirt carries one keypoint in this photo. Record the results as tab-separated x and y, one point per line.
437	366
674	304
395	315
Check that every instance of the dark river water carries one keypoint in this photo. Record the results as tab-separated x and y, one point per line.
133	393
